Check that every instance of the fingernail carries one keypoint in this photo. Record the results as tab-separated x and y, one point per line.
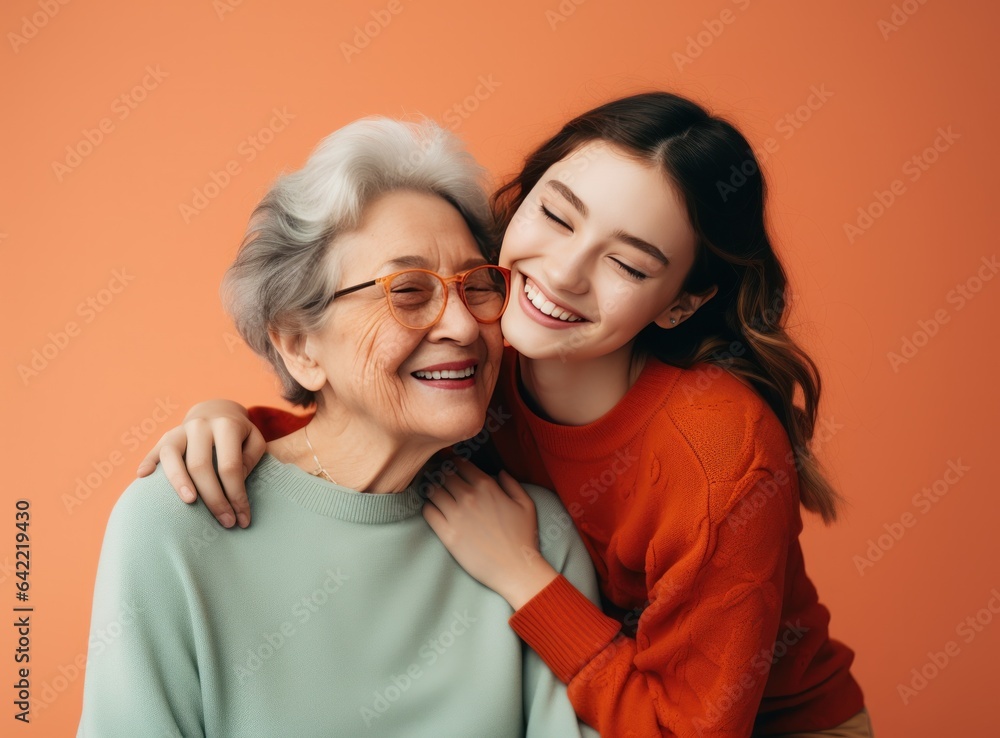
142	468
227	520
243	519
187	494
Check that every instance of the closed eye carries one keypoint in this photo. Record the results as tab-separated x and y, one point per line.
550	216
632	272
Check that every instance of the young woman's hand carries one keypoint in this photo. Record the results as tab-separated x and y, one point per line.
492	531
238	445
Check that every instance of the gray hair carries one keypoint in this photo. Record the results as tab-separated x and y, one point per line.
281	279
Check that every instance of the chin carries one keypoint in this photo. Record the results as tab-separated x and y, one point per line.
517	331
454	430
521	337
468	430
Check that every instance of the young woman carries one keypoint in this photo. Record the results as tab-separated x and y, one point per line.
651	384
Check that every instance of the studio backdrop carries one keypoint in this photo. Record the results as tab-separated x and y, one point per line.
137	138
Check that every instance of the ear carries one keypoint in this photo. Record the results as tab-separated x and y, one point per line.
684	307
297	353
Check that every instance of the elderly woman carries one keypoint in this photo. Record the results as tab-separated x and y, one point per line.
364	281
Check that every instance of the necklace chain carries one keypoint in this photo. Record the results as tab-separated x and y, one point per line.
319	471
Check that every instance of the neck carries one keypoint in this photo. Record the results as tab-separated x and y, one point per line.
579	392
355	453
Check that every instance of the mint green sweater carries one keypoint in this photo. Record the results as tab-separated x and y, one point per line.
336	613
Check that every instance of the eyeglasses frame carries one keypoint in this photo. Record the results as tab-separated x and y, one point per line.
459	279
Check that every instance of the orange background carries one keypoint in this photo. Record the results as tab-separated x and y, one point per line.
160	339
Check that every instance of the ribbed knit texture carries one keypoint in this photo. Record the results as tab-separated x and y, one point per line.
337	501
335	613
569	632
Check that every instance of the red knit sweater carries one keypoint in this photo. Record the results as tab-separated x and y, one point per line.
686	496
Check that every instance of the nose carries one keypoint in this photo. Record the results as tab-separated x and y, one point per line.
456	323
566	269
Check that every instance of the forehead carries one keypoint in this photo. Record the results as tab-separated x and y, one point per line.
597	165
622	193
405	229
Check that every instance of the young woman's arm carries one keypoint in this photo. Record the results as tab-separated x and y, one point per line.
702	651
236	436
700	658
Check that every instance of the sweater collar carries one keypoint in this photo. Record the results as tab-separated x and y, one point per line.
609	433
335	500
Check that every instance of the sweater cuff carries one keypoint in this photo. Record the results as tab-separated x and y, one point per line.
563	627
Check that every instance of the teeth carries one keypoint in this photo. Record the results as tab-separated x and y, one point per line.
536	298
447	374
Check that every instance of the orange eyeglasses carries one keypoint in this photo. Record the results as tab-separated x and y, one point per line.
417	297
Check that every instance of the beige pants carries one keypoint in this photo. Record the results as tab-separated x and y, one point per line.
858	726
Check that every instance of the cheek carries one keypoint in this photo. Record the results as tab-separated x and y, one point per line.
626	308
521	238
623	300
493	338
377	345
506	322
508	248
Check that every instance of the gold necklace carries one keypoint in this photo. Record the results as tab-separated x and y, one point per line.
319	471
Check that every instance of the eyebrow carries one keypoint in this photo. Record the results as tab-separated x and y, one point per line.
634	241
566	192
419	262
644	246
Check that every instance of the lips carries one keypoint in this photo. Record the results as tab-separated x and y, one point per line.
544	303
449	370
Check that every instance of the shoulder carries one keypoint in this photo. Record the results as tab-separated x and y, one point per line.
556	528
560	543
548	506
150	515
727	425
147	496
